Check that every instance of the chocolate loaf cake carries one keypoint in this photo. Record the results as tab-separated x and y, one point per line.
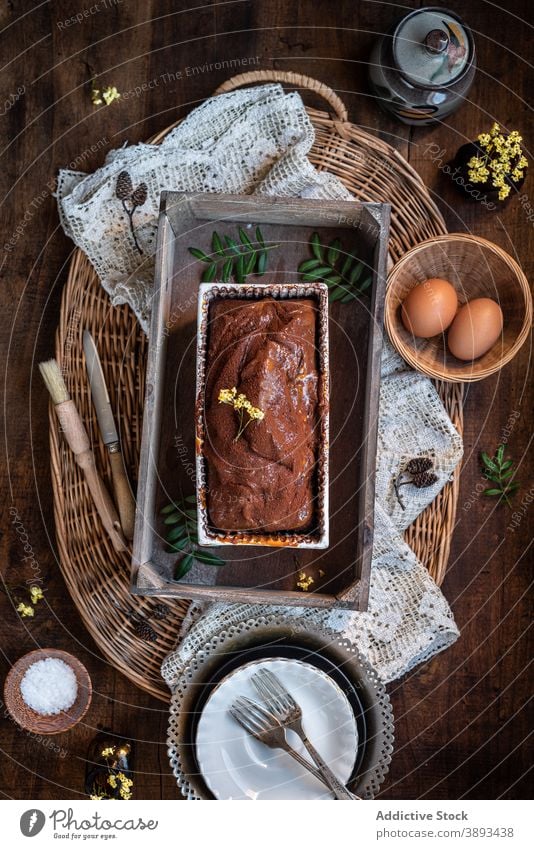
261	414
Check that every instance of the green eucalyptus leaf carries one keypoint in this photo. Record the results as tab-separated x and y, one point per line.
365	284
227	270
262	263
232	244
198	254
355	273
183	566
210	273
500	454
317	273
309	265
317	249
170	508
350	297
244	238
332	254
191	499
493	492
250	262
507	465
337	293
240	269
217	245
346	265
332	279
205	557
259	237
178	545
488	462
176	533
172	518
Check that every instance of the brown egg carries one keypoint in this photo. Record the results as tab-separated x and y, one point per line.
475	329
429	308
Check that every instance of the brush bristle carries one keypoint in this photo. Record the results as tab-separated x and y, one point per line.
54	381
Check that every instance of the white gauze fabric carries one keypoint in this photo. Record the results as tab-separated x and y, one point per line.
253	141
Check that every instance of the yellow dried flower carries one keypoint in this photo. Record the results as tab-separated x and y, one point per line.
226	396
96	100
125	794
96	798
256	413
36	594
110	93
304	581
112	781
108	752
500	157
241	405
25	610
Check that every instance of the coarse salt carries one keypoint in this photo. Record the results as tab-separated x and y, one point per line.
49	686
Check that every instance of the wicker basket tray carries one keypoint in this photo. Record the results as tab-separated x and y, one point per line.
97	577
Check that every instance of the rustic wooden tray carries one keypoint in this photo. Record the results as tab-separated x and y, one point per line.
94	573
251	573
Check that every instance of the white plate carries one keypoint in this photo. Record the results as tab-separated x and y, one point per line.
237	766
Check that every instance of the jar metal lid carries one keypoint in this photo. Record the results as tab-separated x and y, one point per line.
432	47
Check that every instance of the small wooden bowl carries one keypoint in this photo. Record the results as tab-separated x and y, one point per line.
477	269
39	723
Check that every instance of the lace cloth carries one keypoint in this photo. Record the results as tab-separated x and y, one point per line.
252	141
256	141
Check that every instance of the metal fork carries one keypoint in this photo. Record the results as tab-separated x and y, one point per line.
267	729
289	713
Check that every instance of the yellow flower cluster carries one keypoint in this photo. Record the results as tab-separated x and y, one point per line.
108	752
107	95
242	405
125	784
25	610
502	157
36	594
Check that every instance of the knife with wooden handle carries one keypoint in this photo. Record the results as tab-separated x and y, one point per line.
99	393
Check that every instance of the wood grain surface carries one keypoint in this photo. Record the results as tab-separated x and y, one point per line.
462	721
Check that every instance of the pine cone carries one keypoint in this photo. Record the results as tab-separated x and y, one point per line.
419	465
124	186
160	611
139	195
145	631
424	479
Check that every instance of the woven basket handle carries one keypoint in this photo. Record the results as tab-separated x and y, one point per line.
291	78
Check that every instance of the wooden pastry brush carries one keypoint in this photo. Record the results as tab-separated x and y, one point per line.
76	436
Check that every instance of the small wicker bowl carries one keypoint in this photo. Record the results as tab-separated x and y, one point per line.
37	723
477	269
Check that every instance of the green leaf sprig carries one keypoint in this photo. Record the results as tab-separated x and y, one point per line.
232	258
500	472
183	536
342	272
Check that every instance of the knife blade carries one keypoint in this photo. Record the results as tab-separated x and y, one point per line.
110	437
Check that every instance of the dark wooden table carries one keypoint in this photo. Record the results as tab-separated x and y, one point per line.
462	725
